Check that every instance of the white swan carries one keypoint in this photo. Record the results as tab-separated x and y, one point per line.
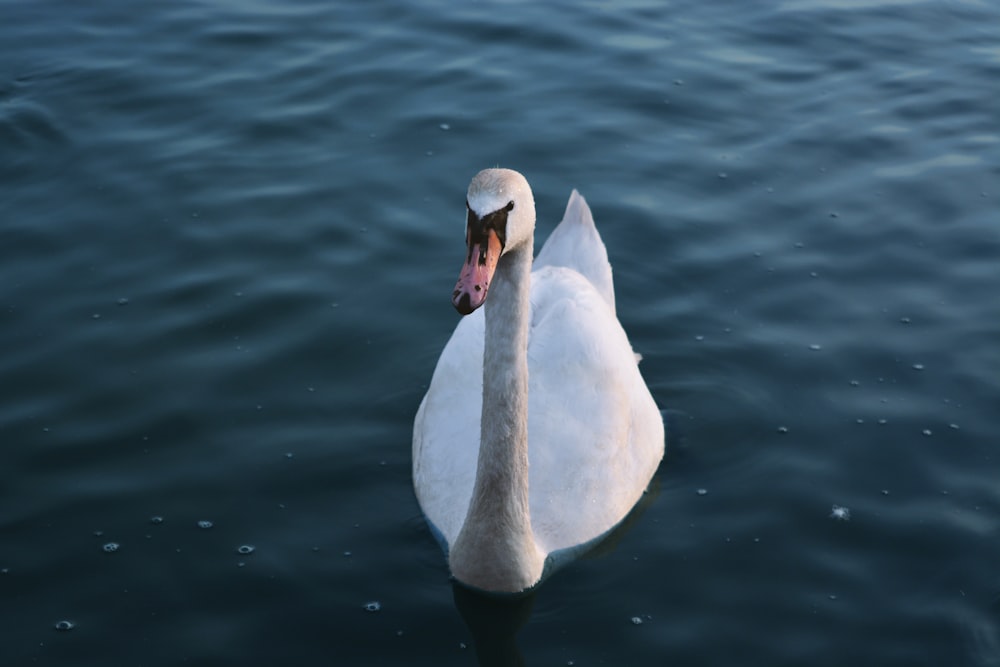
537	434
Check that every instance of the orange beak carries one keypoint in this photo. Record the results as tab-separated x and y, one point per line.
477	272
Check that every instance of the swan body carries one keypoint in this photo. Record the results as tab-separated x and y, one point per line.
537	434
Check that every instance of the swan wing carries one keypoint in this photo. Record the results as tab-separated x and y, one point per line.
446	430
576	244
595	434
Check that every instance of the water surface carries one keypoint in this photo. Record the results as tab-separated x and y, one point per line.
228	235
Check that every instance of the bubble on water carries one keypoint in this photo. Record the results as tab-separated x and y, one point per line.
855	383
927	431
883	421
905	320
918	367
702	492
204	524
64	625
122	301
156	519
699	337
373	606
885	492
636	620
246	549
954	426
840	513
111	547
95	316
815	347
445	126
782	429
723	175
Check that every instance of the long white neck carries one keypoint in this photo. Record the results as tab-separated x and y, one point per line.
495	549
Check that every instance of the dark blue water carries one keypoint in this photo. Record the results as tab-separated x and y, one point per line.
228	237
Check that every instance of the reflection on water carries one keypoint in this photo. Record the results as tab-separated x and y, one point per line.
494	622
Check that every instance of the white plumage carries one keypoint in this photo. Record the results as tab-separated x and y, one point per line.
593	437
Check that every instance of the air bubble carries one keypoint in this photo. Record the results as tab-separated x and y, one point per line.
373	606
205	524
246	549
64	626
111	547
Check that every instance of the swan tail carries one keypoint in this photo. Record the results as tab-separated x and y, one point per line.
576	244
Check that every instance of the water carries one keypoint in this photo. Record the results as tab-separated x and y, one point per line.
228	236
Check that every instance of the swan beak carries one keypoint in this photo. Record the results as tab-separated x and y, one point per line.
474	279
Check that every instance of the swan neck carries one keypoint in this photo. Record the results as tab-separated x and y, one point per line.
496	549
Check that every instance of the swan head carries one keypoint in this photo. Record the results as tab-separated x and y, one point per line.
500	217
